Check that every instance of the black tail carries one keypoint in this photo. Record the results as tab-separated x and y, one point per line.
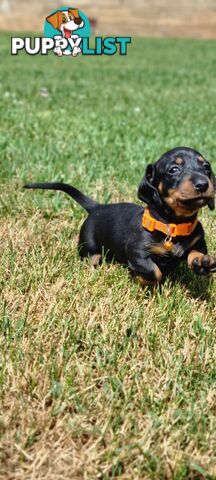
82	199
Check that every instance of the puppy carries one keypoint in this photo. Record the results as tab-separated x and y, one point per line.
66	22
152	241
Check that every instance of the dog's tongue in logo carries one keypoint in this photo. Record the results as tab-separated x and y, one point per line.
67	33
67	22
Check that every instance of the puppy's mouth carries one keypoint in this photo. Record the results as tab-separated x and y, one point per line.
186	205
67	32
194	202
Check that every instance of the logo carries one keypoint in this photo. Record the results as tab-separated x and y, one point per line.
67	33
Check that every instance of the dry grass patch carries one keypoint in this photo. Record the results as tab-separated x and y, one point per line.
99	377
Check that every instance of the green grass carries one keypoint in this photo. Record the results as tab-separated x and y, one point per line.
99	378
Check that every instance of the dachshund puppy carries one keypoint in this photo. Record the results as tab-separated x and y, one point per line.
152	241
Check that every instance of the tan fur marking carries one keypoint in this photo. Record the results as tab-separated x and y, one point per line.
179	161
95	260
160	187
158	274
173	200
158	249
143	281
186	190
201	159
194	241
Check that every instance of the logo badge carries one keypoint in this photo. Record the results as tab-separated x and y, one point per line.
66	33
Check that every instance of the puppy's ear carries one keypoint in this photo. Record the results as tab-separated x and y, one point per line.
74	12
54	19
211	204
147	191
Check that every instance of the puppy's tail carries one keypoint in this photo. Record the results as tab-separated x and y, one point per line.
82	199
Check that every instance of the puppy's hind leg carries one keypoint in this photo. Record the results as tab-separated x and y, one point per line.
87	246
95	258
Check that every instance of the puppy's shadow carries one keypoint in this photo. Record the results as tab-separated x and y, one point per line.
198	285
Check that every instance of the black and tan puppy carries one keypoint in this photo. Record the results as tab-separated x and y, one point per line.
152	241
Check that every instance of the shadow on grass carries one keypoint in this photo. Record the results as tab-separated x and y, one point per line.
197	285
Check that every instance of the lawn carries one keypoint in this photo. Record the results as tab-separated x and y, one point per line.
100	378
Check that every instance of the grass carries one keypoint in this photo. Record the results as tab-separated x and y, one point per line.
99	378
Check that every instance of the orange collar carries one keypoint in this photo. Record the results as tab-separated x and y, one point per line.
170	229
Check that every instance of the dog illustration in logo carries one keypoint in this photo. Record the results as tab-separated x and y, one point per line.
66	21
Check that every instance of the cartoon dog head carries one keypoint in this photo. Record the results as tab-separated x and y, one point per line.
66	21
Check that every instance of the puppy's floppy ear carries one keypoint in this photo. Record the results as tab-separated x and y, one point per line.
74	12
211	204
54	19
147	191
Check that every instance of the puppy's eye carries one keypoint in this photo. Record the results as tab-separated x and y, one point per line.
207	168
174	170
64	19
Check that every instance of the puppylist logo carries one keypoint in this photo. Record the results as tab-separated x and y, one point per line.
66	32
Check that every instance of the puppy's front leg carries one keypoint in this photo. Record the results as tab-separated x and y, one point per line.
199	261
146	271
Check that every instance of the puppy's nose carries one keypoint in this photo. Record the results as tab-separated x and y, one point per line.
201	185
78	21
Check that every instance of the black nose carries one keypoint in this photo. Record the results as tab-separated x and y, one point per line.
78	21
201	185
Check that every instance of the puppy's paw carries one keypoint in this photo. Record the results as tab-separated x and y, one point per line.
203	265
96	260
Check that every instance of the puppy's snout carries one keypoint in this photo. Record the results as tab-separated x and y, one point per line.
201	184
78	21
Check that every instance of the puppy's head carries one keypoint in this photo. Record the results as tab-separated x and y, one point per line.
66	21
181	180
